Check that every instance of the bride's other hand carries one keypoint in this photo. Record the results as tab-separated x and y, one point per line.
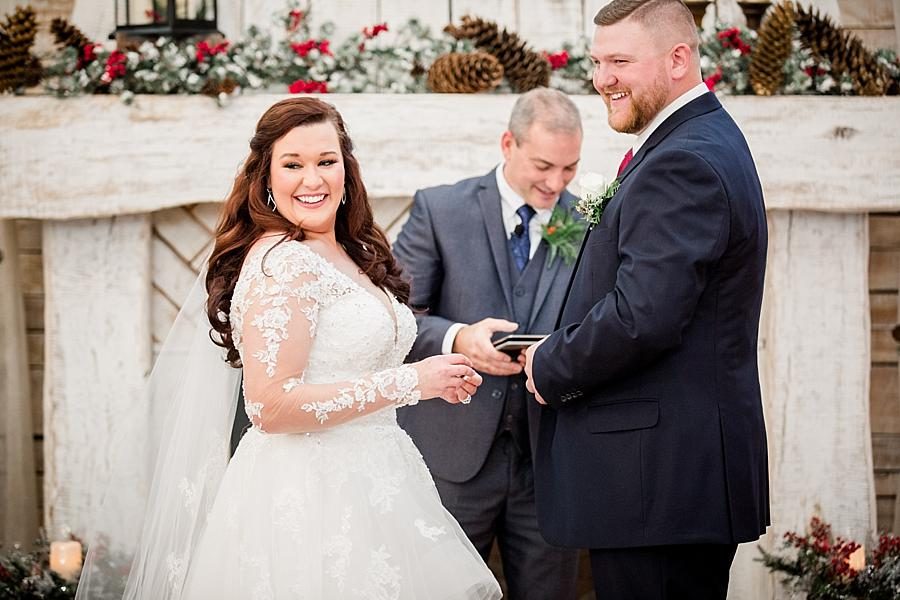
447	376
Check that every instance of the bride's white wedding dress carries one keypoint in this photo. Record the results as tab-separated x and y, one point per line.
347	509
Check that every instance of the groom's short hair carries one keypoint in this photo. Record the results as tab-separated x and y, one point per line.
655	15
551	108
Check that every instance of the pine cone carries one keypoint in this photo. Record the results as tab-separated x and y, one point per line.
66	34
214	88
843	50
18	67
772	50
458	73
524	68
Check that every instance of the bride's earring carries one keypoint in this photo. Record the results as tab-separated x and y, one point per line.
344	198
270	201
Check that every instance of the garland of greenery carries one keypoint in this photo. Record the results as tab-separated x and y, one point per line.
370	61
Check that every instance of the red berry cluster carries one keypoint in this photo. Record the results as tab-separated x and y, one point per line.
204	49
888	547
558	60
88	55
713	79
303	48
731	38
115	66
294	19
371	32
819	541
302	86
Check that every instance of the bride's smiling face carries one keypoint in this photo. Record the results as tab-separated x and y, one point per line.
307	177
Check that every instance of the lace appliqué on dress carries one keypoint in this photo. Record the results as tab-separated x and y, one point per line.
429	532
398	385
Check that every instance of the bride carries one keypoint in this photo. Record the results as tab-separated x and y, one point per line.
325	497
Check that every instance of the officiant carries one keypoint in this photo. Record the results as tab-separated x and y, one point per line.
490	256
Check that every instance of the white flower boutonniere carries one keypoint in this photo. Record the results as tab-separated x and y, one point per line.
596	193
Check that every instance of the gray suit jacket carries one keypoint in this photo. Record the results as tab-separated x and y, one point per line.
454	250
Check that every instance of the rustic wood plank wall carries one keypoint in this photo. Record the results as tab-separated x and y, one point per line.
872	20
19	517
884	281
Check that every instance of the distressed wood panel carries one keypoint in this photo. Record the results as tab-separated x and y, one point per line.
887	485
504	12
874	38
886	451
18	489
397	12
896	4
157	146
884	231
97	339
32	272
28	236
884	270
814	285
884	308
36	384
885	407
865	13
545	25
34	311
348	16
884	274
884	346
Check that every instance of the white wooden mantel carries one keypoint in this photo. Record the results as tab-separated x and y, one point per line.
93	169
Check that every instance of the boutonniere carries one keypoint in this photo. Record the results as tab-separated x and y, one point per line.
596	193
563	234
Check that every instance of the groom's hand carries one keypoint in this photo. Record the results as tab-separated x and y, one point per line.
475	342
529	366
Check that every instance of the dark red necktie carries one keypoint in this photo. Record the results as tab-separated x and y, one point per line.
625	160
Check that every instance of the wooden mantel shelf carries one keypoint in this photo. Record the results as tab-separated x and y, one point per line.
96	157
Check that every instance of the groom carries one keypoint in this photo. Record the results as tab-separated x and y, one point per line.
652	446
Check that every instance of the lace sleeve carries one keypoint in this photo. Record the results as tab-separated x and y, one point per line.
278	325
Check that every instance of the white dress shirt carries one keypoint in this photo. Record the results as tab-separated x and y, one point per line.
510	202
692	94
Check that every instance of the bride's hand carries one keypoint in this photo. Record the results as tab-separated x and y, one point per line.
447	376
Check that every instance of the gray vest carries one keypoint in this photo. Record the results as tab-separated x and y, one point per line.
524	285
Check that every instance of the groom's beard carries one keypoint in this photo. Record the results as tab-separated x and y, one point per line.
644	107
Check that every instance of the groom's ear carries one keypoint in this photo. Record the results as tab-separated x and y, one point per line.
680	61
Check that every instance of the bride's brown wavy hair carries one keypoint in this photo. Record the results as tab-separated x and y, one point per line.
246	217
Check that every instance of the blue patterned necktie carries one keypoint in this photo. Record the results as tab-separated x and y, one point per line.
519	243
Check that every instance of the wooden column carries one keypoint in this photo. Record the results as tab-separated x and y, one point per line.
814	366
98	356
18	484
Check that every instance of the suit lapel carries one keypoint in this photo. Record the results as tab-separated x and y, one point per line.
489	201
696	107
548	274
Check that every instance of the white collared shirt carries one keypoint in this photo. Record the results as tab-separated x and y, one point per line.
692	94
510	202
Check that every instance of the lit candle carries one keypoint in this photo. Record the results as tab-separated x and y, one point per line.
858	559
65	558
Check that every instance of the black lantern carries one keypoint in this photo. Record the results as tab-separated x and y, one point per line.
170	18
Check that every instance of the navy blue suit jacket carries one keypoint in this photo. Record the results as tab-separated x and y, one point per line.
654	432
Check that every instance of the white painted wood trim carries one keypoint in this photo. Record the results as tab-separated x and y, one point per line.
97	343
813	153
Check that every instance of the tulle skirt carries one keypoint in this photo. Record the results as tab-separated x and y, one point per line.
351	512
